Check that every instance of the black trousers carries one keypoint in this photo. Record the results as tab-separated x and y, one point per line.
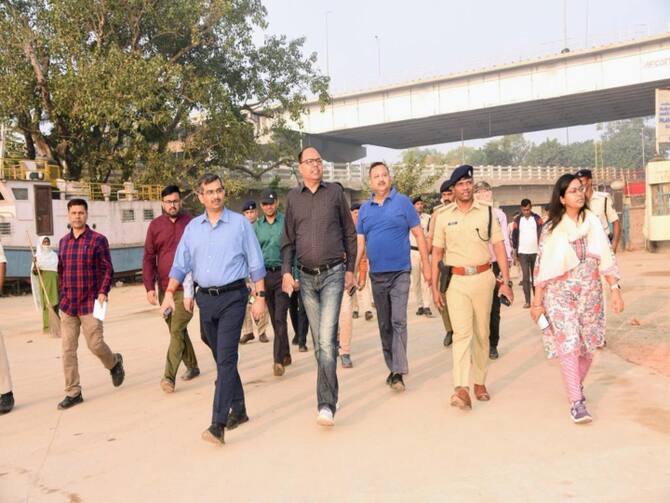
527	262
299	318
278	303
494	326
221	320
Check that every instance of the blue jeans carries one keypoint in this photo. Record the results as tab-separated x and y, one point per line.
322	296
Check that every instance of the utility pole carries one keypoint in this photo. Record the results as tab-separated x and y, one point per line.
379	56
565	26
327	48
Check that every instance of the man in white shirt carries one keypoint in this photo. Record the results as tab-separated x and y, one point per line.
526	231
600	203
6	395
421	290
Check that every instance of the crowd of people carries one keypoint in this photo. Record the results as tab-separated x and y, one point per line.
323	261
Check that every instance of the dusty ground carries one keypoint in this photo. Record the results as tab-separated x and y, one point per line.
135	443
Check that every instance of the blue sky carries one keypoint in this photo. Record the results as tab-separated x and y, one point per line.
422	38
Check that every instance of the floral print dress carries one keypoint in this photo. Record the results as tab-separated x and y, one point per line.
574	305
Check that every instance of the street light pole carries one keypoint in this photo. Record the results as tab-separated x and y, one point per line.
379	56
327	48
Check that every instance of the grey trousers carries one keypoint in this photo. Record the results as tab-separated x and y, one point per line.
390	291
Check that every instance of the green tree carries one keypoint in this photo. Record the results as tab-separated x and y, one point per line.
510	150
548	153
148	89
622	143
413	176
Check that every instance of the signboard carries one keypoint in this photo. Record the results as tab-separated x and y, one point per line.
662	118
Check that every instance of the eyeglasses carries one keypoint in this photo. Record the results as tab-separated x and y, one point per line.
172	202
210	193
313	162
579	190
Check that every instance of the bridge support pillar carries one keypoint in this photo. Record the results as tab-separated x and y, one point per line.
334	150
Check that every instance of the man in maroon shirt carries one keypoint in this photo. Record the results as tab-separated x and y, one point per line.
84	277
160	246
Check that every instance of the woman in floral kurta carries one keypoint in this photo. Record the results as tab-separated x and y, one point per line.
574	306
574	254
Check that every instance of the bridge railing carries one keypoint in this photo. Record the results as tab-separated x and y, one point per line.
353	175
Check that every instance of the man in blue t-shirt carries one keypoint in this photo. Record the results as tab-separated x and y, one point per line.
384	224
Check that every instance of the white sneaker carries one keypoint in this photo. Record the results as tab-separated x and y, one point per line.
325	417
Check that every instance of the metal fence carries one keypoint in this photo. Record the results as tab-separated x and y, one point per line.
353	175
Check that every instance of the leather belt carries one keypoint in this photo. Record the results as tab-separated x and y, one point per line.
470	270
273	268
218	290
415	248
320	269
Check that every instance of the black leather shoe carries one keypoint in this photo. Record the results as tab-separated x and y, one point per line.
190	374
214	434
427	312
388	379
236	418
419	312
448	339
354	315
397	383
6	402
294	341
368	315
70	401
303	348
118	374
493	353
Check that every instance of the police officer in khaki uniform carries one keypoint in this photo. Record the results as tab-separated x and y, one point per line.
462	234
447	196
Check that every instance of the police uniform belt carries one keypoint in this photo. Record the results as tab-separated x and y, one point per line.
320	269
218	290
470	270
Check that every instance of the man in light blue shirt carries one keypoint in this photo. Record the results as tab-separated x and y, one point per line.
220	249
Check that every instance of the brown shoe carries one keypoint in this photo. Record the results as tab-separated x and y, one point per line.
287	361
263	338
461	398
278	369
481	394
246	338
167	385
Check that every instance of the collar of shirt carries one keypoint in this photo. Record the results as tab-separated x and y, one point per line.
304	187
476	205
223	217
83	234
279	218
390	195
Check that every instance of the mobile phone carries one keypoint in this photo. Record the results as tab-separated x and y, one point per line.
542	322
505	301
167	312
352	291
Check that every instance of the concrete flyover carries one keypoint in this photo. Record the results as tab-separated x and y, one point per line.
602	84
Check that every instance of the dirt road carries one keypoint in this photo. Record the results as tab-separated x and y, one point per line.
135	443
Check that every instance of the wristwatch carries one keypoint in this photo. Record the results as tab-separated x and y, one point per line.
615	286
260	293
